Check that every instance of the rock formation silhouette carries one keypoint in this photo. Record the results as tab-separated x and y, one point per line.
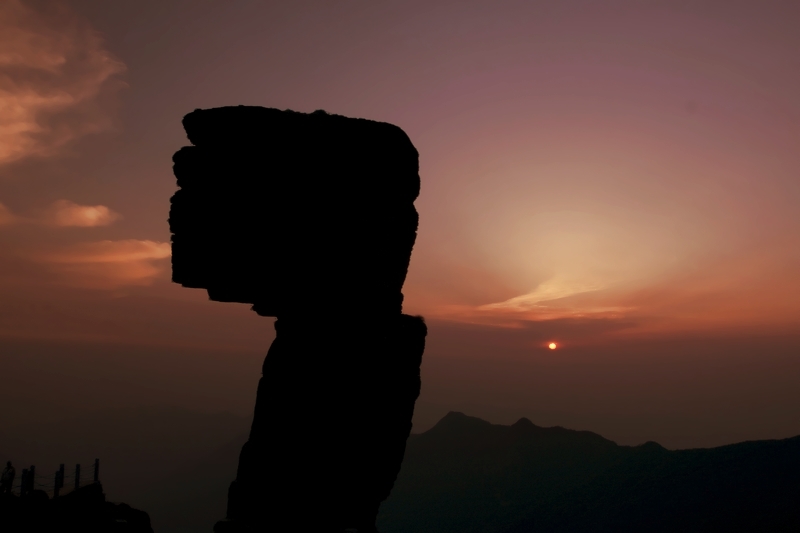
310	218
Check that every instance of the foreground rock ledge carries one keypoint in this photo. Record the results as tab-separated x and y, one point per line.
85	510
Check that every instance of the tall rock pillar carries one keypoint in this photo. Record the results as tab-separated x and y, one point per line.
309	218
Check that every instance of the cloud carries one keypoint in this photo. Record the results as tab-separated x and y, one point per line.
108	264
542	298
753	290
65	213
55	79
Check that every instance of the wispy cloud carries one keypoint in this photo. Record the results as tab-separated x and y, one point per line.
544	295
108	264
55	75
757	290
65	213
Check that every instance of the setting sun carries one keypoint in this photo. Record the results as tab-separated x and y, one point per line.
552	346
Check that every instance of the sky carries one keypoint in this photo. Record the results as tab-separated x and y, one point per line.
617	177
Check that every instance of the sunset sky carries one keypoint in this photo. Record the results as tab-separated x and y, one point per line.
621	178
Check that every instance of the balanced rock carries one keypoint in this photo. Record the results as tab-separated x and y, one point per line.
310	218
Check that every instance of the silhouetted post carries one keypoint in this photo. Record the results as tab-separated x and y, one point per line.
26	484
23	482
59	481
96	470
77	476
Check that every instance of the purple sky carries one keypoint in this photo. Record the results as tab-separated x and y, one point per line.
618	177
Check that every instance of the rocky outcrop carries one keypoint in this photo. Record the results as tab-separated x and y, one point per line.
310	218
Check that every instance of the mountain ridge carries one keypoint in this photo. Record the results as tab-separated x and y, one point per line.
466	474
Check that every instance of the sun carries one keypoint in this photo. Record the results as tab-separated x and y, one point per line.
552	346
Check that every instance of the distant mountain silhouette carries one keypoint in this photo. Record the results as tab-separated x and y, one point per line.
468	475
